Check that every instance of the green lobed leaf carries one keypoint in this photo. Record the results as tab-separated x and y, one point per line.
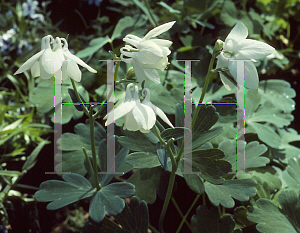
294	168
272	219
62	193
137	141
146	183
195	182
143	160
241	190
176	133
252	152
134	217
208	220
42	97
71	145
109	198
209	163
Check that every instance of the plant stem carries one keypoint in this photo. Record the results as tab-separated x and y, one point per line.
166	145
92	133
172	177
186	215
150	12
207	79
203	199
79	99
183	217
219	210
117	70
152	228
90	165
167	198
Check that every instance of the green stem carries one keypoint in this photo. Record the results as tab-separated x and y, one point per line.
219	210
152	228
150	12
165	145
92	133
167	198
207	79
117	68
90	165
183	217
78	98
180	153
203	199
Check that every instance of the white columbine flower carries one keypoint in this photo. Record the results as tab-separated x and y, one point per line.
137	115
46	62
236	46
147	55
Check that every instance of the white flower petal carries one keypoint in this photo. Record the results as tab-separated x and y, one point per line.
149	53
253	49
127	54
161	42
73	71
131	41
238	33
158	30
119	111
157	110
162	115
251	76
144	130
152	74
144	115
35	69
64	67
69	55
43	73
130	123
139	71
29	63
51	61
227	83
222	61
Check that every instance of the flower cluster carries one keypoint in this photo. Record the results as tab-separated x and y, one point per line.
236	46
48	61
137	115
148	54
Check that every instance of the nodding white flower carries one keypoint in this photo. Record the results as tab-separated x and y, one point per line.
236	46
137	116
148	54
46	62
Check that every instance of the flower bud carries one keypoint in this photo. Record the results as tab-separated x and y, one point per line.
130	73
